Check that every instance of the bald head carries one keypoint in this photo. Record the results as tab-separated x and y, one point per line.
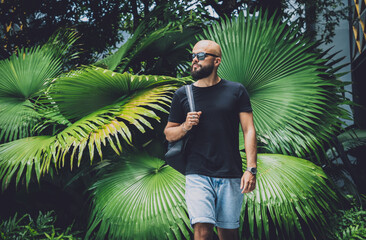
207	46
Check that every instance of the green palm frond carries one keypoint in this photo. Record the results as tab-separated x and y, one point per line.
357	232
141	39
51	120
349	140
164	56
111	62
133	102
139	198
352	138
291	200
143	198
154	49
22	77
24	157
61	43
294	93
87	90
112	122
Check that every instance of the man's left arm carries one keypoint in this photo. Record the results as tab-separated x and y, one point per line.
248	180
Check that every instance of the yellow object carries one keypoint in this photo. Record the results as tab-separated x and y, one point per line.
8	27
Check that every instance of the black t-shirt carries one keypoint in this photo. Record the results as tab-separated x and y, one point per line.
214	147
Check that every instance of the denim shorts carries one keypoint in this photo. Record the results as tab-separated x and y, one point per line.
214	200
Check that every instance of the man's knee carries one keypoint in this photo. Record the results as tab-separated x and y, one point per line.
203	230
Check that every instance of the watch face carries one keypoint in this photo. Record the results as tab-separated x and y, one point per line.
253	170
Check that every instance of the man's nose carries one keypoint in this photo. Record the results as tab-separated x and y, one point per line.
195	59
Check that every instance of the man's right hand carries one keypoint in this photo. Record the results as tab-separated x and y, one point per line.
192	119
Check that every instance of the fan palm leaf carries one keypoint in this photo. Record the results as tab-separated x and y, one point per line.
350	139
143	198
22	77
291	200
294	93
112	122
117	103
141	39
62	45
87	90
152	49
164	56
24	157
346	166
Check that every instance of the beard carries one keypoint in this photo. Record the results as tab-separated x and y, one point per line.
202	72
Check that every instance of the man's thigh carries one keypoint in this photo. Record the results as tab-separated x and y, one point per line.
200	199
214	200
228	203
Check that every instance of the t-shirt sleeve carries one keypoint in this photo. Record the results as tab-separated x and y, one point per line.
244	101
176	114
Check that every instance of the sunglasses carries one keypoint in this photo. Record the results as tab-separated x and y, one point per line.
201	55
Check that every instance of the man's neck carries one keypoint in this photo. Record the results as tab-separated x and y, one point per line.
208	82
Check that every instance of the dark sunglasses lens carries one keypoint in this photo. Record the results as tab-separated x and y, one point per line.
200	56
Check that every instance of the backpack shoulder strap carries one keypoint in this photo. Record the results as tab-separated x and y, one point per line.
189	93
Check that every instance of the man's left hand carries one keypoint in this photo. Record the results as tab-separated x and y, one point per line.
248	181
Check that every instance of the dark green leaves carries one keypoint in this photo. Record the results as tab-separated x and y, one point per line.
22	77
139	198
105	107
142	198
291	199
295	97
85	91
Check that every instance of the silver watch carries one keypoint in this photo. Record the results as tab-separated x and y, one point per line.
252	170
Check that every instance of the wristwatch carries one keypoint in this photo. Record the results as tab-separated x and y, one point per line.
252	170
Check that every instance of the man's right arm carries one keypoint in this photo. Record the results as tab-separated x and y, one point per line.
175	131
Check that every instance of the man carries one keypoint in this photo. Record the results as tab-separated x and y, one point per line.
215	182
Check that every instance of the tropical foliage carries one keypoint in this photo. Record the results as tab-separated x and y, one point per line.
290	201
99	112
142	198
346	165
349	139
159	51
293	91
27	228
86	108
23	78
103	106
349	224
